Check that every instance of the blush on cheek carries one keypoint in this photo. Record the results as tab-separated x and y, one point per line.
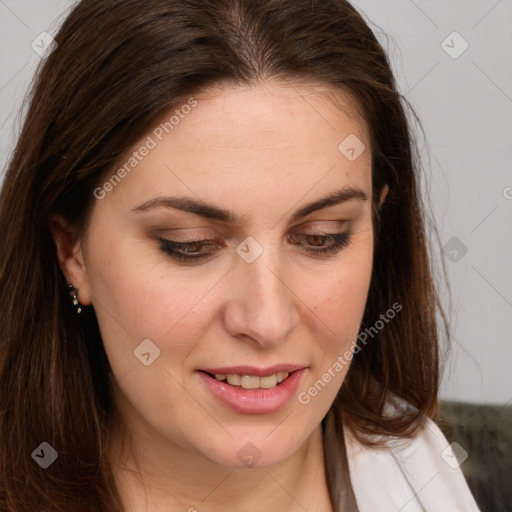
342	309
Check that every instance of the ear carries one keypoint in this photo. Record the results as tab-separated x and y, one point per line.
70	256
383	195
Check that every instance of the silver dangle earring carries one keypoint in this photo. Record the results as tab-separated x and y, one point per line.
74	297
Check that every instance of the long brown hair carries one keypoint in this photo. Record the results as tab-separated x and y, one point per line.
119	66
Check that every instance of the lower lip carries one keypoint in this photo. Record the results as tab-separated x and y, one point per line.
261	401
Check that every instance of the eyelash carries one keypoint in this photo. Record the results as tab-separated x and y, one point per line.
339	242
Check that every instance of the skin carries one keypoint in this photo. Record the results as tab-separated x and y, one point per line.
262	151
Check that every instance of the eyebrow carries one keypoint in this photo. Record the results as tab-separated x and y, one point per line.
210	211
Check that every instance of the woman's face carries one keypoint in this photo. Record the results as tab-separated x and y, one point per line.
238	169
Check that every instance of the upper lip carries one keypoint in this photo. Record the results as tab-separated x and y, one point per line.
252	370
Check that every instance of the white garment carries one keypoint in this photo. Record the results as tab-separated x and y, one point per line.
414	475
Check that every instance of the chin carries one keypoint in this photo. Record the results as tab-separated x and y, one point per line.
251	452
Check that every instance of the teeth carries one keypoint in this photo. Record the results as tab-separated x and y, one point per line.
268	382
252	381
234	380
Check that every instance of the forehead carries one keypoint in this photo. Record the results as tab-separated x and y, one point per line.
277	113
265	139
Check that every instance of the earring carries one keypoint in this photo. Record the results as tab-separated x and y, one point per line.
74	297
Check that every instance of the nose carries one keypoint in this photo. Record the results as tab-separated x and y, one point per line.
262	304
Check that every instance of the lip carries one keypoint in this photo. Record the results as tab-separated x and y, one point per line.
261	401
252	370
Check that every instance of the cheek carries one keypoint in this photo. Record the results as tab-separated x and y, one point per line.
337	310
340	302
139	296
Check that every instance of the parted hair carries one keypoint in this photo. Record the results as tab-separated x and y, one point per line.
119	66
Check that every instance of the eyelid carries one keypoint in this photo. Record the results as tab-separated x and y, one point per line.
309	227
337	225
188	238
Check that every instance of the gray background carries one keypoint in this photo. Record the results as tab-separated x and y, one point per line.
464	101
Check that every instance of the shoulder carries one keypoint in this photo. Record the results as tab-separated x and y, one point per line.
410	475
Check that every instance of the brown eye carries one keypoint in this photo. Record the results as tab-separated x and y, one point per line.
187	251
315	240
315	244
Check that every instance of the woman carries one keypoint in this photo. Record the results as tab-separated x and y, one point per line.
215	286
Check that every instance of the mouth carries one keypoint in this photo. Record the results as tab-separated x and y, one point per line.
251	382
249	390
